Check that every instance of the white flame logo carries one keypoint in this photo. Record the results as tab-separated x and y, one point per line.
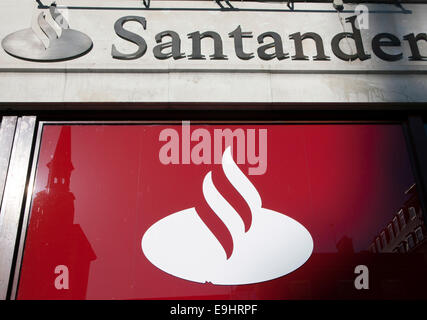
182	245
49	40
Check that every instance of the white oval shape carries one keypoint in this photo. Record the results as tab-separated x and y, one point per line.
183	246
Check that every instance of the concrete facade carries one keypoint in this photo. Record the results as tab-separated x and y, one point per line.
97	77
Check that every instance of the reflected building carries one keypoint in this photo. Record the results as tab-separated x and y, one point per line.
391	275
52	217
406	231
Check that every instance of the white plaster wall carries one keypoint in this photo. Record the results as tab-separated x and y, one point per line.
96	77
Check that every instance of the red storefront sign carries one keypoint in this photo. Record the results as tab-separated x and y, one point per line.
112	219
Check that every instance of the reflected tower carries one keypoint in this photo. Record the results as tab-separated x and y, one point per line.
53	238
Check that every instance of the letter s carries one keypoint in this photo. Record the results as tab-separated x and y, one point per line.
130	36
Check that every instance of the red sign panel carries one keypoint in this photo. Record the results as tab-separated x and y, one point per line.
224	212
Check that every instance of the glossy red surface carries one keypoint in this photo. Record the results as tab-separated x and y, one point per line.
98	189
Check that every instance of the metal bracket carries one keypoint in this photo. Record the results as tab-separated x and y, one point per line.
7	131
230	6
41	5
146	3
13	198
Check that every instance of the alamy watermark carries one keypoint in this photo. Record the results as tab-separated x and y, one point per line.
362	19
62	281
249	146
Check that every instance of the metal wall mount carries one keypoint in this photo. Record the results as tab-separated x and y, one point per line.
7	132
13	197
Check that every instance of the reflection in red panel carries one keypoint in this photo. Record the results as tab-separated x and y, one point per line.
99	188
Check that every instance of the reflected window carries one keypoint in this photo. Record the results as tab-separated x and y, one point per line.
383	239
419	234
378	242
390	231
402	218
402	247
396	225
412	213
410	242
